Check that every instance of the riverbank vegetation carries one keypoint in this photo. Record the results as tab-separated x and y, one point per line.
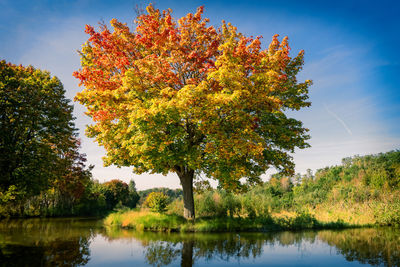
170	222
42	172
40	163
96	199
361	191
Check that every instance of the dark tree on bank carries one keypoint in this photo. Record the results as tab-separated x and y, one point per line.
36	128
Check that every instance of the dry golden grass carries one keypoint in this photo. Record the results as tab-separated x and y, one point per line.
354	213
284	214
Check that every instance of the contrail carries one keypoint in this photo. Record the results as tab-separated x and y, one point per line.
339	119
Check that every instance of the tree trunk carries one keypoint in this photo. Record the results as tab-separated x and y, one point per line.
187	253
186	177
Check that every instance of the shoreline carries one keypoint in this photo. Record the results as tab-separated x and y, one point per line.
157	222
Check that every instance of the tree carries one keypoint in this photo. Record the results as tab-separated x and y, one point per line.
36	128
133	195
181	96
73	177
171	193
116	191
157	201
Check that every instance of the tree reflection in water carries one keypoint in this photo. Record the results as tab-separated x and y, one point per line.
58	253
45	242
373	246
67	242
161	253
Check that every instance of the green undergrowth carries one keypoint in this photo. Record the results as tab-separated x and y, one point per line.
151	221
144	220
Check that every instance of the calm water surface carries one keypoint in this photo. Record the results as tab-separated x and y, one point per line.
78	241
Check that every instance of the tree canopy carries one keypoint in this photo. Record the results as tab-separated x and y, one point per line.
41	169
36	127
183	96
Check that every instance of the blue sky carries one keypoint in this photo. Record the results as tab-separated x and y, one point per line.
351	55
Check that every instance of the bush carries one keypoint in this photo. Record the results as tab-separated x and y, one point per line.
231	203
209	204
157	201
217	203
255	205
388	213
176	207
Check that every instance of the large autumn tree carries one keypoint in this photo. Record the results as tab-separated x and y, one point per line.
182	96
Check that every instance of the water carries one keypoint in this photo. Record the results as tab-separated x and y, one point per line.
79	241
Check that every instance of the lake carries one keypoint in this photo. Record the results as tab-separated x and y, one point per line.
80	241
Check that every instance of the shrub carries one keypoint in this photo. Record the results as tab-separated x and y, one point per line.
208	204
388	213
157	201
231	203
176	207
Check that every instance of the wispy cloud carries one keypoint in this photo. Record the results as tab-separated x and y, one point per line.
333	68
338	119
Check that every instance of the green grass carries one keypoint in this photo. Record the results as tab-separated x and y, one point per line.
150	221
144	220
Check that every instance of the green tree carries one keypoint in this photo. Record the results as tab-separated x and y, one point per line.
116	191
134	197
36	128
157	201
93	201
73	178
171	193
181	96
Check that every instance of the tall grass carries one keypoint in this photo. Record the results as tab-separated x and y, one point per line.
145	220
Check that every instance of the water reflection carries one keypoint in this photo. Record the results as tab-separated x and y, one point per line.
45	242
373	246
161	253
74	242
162	249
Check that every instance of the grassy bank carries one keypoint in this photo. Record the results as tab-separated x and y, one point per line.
146	220
362	191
